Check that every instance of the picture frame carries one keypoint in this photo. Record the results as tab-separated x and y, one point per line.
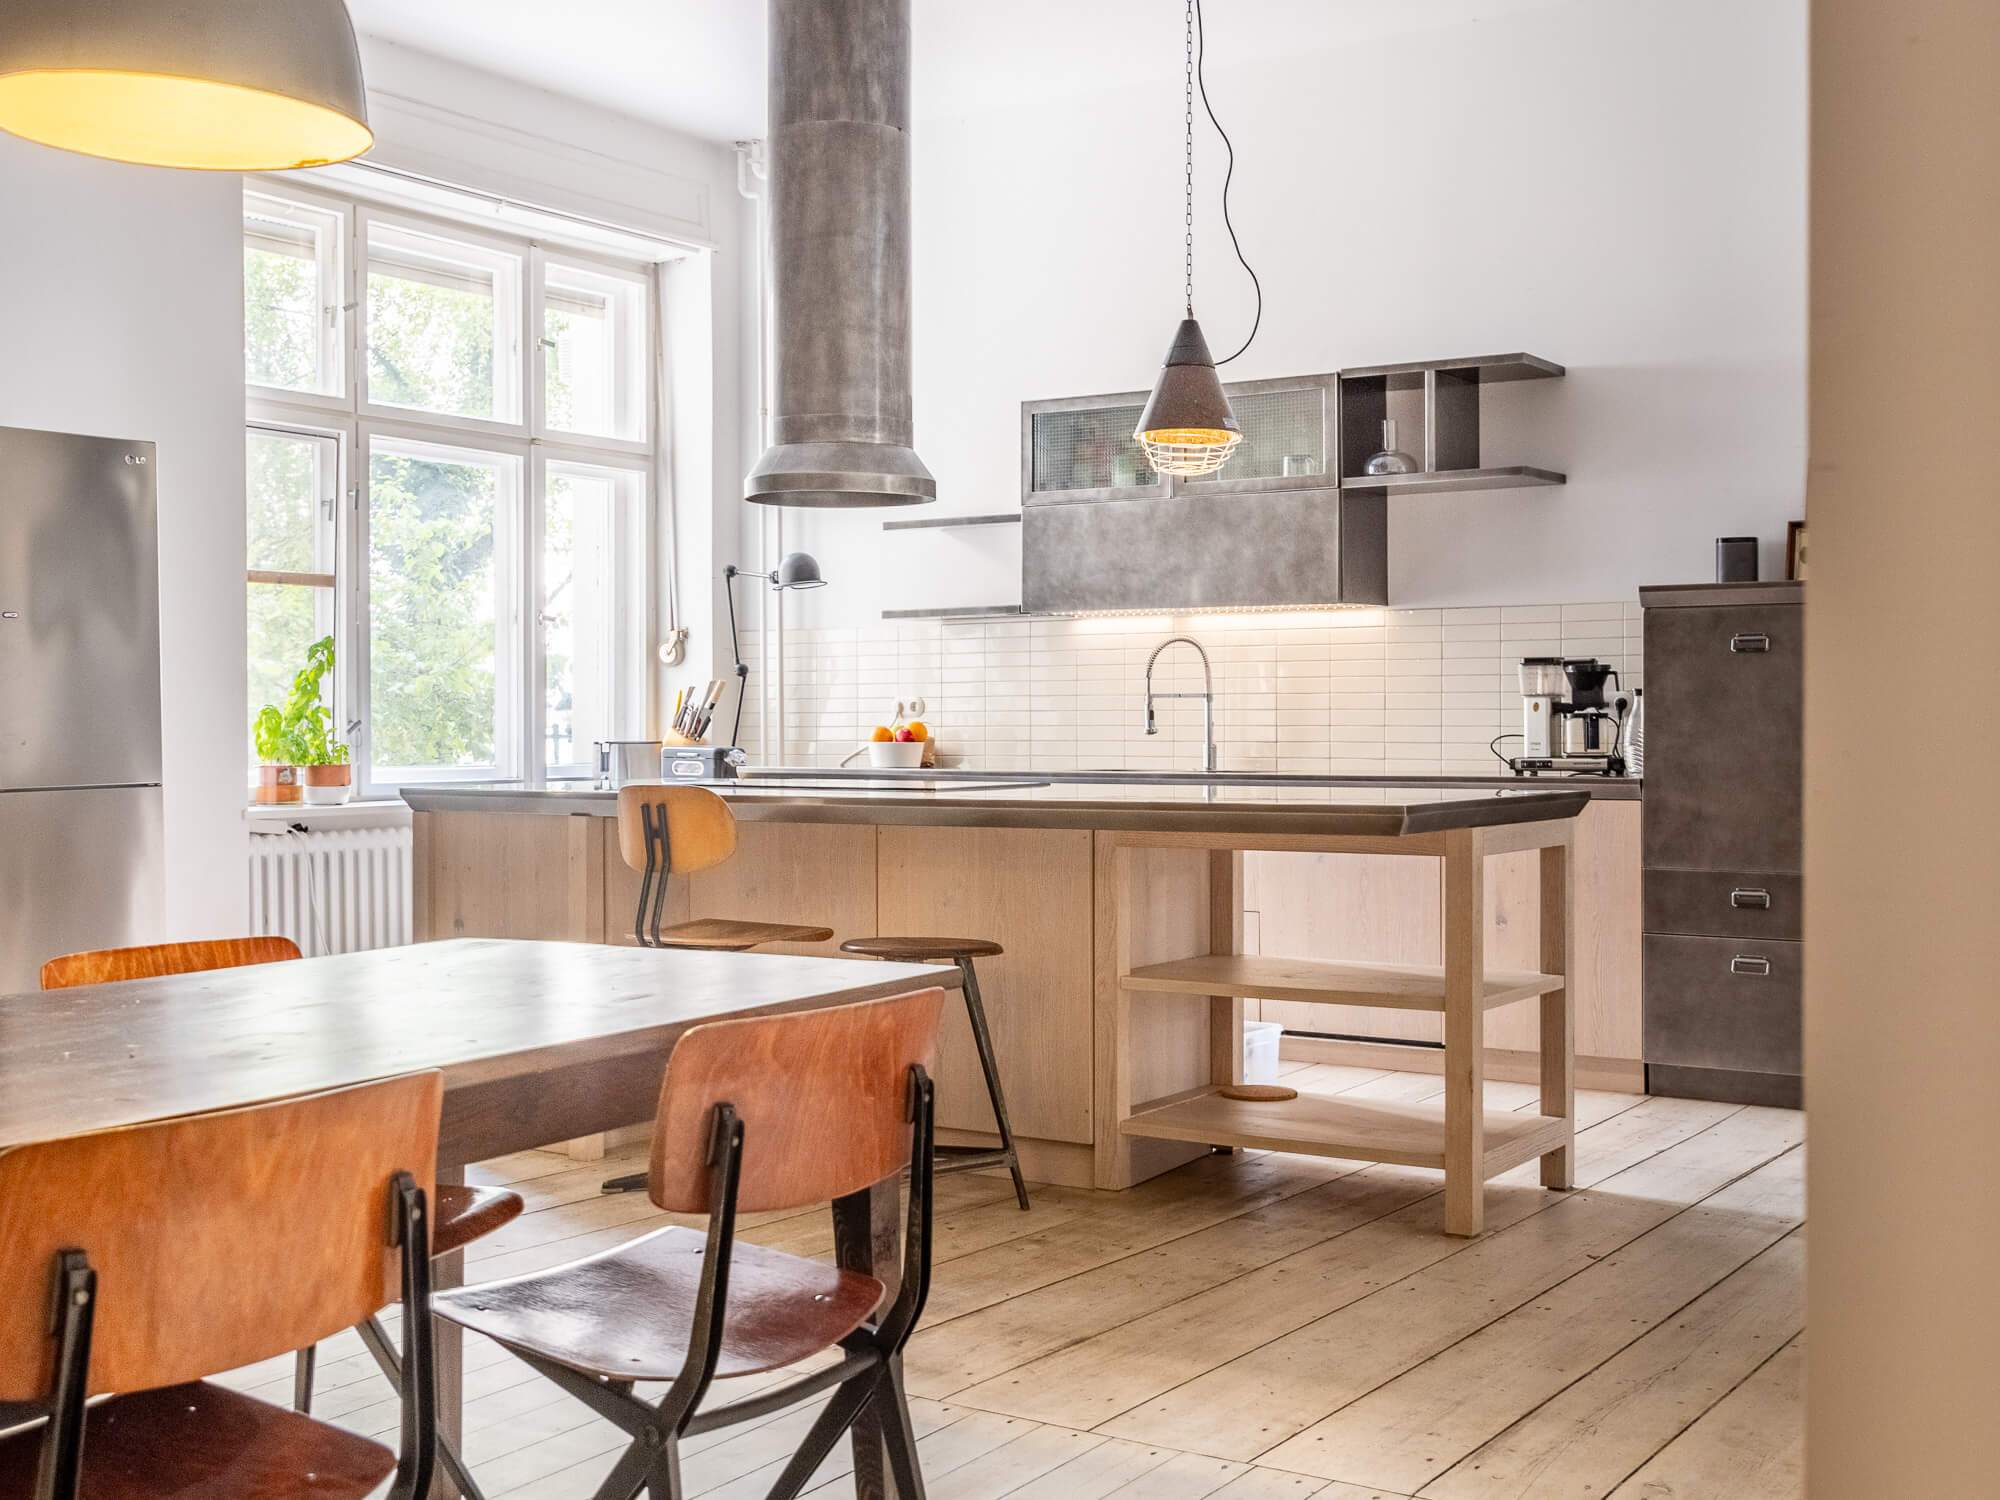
1795	551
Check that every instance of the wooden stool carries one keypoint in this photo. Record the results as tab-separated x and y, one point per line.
678	830
960	951
460	1213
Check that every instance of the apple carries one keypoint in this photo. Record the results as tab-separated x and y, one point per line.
903	736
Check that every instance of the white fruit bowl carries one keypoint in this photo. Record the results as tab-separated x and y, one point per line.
904	755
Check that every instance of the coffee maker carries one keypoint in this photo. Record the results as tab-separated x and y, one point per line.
1566	725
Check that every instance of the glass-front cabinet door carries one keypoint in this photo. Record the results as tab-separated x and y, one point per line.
1082	448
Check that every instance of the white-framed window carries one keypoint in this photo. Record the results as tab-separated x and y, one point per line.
467	509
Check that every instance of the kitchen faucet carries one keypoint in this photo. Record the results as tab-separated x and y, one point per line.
1207	696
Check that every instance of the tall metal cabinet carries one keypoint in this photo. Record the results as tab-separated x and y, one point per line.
1722	841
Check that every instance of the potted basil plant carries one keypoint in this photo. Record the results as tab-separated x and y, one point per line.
303	761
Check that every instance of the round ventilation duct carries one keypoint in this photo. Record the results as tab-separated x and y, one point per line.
839	143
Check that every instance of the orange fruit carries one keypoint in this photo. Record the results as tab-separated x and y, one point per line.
917	730
881	734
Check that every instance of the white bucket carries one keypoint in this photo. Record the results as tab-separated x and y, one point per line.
1260	1051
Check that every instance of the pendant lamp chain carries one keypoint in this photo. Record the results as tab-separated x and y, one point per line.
1188	195
1187	426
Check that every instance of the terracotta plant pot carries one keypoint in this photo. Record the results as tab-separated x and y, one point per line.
277	784
327	785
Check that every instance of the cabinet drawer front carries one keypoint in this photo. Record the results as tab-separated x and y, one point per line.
1723	1003
1710	903
1724	737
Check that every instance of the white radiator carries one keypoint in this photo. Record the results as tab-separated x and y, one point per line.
332	892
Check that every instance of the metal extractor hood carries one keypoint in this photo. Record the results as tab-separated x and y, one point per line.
839	144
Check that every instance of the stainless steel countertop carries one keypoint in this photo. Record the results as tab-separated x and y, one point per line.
1235	803
1612	788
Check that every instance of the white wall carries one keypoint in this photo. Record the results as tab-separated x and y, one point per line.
1618	185
123	292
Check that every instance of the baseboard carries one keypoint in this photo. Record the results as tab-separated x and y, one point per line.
1727	1085
593	1147
1058	1163
1616	1075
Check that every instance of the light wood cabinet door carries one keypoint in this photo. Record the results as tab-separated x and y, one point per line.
508	875
1028	890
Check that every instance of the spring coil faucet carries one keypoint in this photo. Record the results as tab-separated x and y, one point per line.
1207	696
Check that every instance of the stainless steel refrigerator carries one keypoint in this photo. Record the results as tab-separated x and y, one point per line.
80	799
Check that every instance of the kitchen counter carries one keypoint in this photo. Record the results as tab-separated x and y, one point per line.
1143	917
1123	802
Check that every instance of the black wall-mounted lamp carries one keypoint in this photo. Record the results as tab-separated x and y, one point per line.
799	570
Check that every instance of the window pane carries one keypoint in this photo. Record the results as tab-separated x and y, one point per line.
594	350
443	321
582	596
290	530
437	580
285	619
291	485
291	295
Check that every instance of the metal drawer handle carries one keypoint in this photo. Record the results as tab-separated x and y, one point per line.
1745	896
1744	963
1749	641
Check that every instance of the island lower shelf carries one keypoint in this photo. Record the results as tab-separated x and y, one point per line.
1319	982
1411	1135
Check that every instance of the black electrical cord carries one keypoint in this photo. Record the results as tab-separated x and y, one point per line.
1201	53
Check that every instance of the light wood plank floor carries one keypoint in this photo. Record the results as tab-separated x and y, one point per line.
1267	1327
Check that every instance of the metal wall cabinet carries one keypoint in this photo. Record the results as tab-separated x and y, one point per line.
1252	535
1722	841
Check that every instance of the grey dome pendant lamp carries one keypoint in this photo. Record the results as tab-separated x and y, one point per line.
1188	426
216	85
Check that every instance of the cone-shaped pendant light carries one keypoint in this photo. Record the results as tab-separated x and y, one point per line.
1188	426
226	85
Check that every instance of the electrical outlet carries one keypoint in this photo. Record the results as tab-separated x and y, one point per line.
895	709
916	706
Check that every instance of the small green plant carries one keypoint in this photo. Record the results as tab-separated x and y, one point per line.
300	733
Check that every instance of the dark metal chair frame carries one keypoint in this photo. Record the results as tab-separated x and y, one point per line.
869	1370
653	879
60	1474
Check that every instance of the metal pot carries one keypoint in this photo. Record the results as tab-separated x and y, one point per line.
623	761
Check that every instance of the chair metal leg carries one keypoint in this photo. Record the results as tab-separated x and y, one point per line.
834	1419
375	1339
304	1363
983	1039
631	1182
899	1436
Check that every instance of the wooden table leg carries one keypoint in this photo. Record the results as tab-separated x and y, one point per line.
1558	1022
1464	1032
867	1237
448	1352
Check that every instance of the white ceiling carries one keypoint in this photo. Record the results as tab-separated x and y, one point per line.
698	65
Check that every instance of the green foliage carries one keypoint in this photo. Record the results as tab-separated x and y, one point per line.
431	597
280	319
300	733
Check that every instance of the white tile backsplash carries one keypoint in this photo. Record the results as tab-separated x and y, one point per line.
1398	692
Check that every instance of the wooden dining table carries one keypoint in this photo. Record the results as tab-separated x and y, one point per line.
538	1042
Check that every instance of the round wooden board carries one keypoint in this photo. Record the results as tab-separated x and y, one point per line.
1267	1093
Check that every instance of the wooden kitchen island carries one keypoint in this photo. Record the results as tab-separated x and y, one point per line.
1118	1007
